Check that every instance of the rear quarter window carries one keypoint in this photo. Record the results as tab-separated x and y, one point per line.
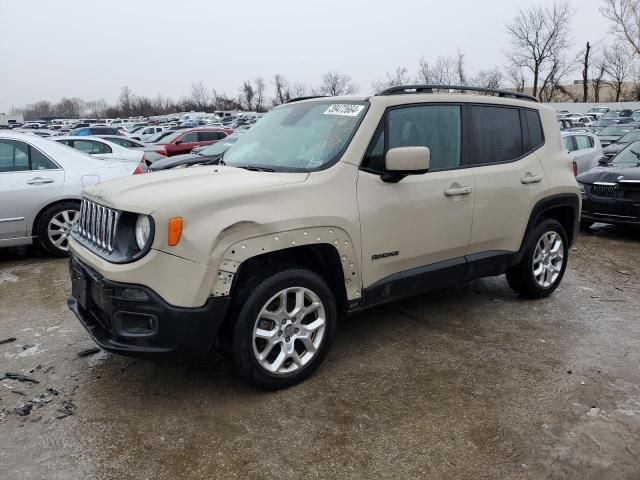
498	134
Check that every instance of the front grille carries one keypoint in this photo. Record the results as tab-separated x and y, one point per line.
97	225
604	191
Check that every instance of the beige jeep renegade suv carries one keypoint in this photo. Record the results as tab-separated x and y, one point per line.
326	206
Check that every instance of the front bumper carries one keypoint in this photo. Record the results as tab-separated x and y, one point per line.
133	320
610	210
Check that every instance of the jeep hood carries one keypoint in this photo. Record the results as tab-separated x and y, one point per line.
146	193
609	174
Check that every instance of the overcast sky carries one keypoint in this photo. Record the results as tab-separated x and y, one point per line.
90	49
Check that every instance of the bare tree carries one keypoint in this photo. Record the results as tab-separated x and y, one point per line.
96	108
617	64
247	96
557	73
399	77
298	89
259	88
334	84
200	97
597	76
585	73
516	77
625	18
70	107
424	72
125	101
282	92
538	36
460	69
488	79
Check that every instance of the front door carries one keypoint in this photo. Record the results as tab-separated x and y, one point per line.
27	180
418	229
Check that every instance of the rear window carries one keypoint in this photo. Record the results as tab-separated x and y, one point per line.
536	139
498	134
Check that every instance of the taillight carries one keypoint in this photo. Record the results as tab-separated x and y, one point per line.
575	169
137	170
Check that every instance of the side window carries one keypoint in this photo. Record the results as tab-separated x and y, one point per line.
569	144
498	134
40	162
435	126
535	129
190	137
207	136
221	135
583	142
91	147
375	157
14	156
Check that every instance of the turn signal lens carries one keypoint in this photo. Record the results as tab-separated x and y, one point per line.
175	230
575	169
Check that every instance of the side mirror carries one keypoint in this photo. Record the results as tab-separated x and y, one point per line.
179	141
603	161
402	161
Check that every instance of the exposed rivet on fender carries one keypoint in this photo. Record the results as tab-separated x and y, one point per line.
305	234
293	242
344	258
244	246
351	265
331	231
346	244
276	238
318	239
336	242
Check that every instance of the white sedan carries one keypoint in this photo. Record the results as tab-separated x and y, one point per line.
100	148
41	185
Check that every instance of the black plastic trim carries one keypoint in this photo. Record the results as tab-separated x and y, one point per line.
409	89
175	331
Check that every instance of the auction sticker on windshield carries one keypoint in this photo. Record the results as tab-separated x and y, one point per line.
344	110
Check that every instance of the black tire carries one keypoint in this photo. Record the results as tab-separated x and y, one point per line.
247	305
521	277
43	226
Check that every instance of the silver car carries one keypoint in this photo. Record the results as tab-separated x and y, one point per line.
584	148
40	189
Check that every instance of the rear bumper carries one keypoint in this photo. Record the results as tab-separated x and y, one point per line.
133	320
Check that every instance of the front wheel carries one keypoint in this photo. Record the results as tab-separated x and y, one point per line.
285	324
544	261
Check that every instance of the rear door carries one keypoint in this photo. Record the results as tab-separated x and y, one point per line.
189	140
417	229
28	178
509	177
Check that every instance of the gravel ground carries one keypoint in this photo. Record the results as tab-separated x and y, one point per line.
471	382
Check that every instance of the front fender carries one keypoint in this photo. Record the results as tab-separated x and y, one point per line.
240	251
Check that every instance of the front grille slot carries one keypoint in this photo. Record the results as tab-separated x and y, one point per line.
97	225
604	190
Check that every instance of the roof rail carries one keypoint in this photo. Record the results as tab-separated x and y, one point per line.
299	99
403	89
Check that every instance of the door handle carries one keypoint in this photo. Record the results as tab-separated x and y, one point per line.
528	179
39	181
454	191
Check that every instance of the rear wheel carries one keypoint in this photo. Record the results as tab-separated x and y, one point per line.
544	261
285	322
54	227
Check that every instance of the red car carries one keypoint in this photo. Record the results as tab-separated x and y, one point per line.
183	141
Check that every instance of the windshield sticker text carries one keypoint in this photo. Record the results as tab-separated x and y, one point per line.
344	110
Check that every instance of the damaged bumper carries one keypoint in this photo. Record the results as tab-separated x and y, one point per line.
135	321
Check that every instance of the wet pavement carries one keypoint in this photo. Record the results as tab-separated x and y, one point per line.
472	382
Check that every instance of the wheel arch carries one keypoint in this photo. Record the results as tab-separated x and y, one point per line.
327	251
44	208
564	207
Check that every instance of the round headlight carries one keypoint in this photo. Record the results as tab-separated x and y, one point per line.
143	230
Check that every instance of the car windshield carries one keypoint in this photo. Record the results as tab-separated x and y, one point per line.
598	110
171	136
629	157
630	137
611	114
218	148
613	131
302	136
604	123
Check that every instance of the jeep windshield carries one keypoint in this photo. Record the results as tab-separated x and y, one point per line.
298	137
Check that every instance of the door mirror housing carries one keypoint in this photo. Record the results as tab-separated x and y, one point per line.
402	161
179	141
603	161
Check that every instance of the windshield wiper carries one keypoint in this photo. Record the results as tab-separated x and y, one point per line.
257	169
637	154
